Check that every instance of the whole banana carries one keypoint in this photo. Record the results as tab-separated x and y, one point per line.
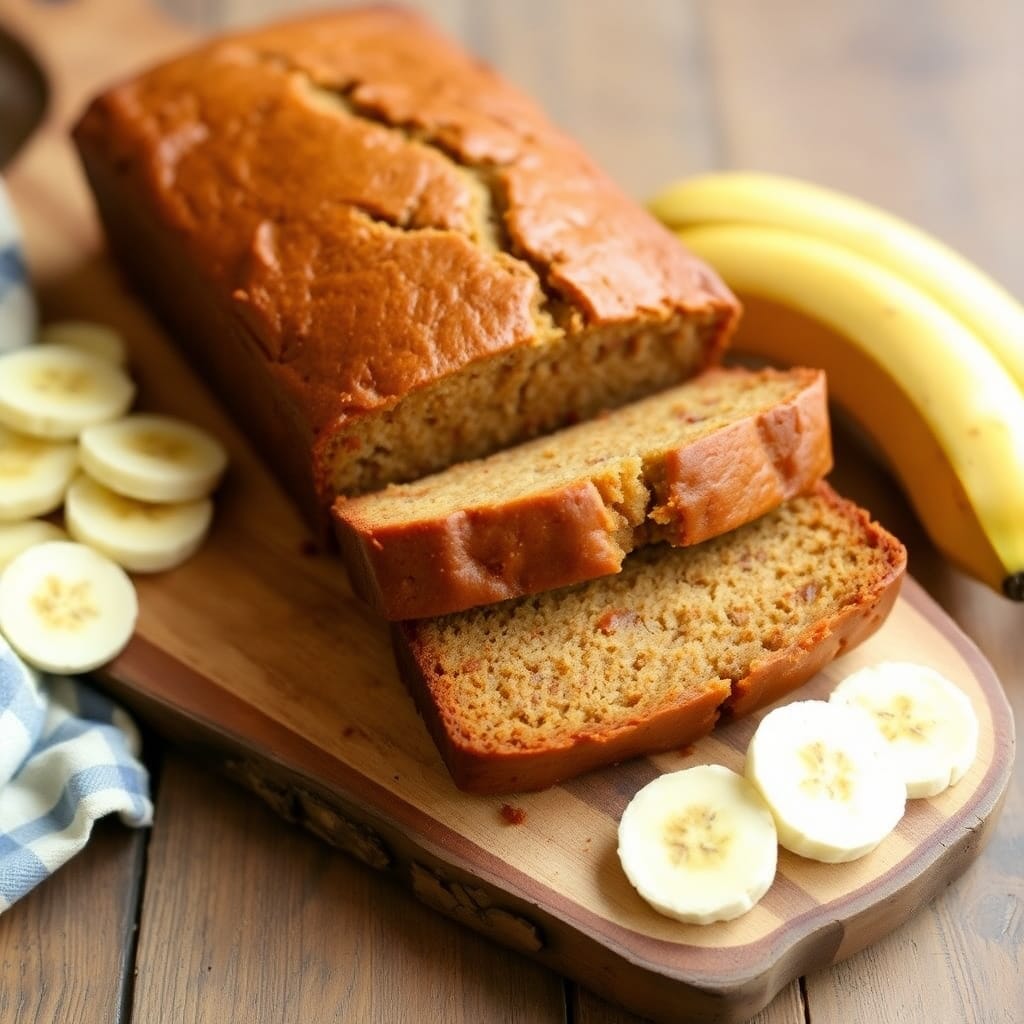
743	197
938	402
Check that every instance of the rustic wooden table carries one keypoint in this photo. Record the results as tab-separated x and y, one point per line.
223	913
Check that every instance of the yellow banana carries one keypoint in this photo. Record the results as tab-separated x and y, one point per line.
935	399
771	201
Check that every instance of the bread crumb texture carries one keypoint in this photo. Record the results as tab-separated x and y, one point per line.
618	451
535	673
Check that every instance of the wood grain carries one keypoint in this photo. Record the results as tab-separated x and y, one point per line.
786	1008
634	90
908	106
282	929
66	948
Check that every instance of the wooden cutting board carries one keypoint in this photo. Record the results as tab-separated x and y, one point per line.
256	655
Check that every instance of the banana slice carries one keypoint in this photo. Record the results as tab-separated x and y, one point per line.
34	475
18	537
56	391
140	536
153	458
699	845
96	339
828	778
66	608
927	722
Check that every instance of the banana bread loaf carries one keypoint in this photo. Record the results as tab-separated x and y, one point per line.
385	258
684	465
524	694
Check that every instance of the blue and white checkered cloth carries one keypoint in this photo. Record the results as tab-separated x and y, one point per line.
68	756
17	303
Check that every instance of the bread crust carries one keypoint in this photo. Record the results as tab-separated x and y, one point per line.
477	769
457	225
485	772
504	549
481	555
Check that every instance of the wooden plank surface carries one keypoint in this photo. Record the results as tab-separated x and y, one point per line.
909	105
66	949
912	105
787	1007
246	920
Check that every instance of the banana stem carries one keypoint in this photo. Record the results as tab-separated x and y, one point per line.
1013	586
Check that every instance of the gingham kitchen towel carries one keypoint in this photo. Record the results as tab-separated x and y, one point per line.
17	304
68	756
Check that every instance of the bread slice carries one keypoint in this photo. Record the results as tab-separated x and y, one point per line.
358	231
522	695
682	466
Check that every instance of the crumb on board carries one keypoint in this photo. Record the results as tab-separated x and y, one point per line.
513	815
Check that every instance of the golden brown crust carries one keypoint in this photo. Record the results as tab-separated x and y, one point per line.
481	555
481	771
477	768
504	549
747	469
379	210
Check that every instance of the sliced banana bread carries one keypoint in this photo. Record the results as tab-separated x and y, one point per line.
524	694
386	257
683	466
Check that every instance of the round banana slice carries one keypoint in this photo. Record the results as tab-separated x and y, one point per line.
926	721
699	845
153	458
96	339
18	537
826	775
66	608
34	475
140	536
56	391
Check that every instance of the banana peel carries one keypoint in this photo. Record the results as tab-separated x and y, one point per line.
767	200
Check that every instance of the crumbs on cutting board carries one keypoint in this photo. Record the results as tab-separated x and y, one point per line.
513	815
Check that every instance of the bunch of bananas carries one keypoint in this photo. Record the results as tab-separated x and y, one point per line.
921	348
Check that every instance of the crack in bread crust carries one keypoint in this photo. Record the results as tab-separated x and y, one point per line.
385	255
486	225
